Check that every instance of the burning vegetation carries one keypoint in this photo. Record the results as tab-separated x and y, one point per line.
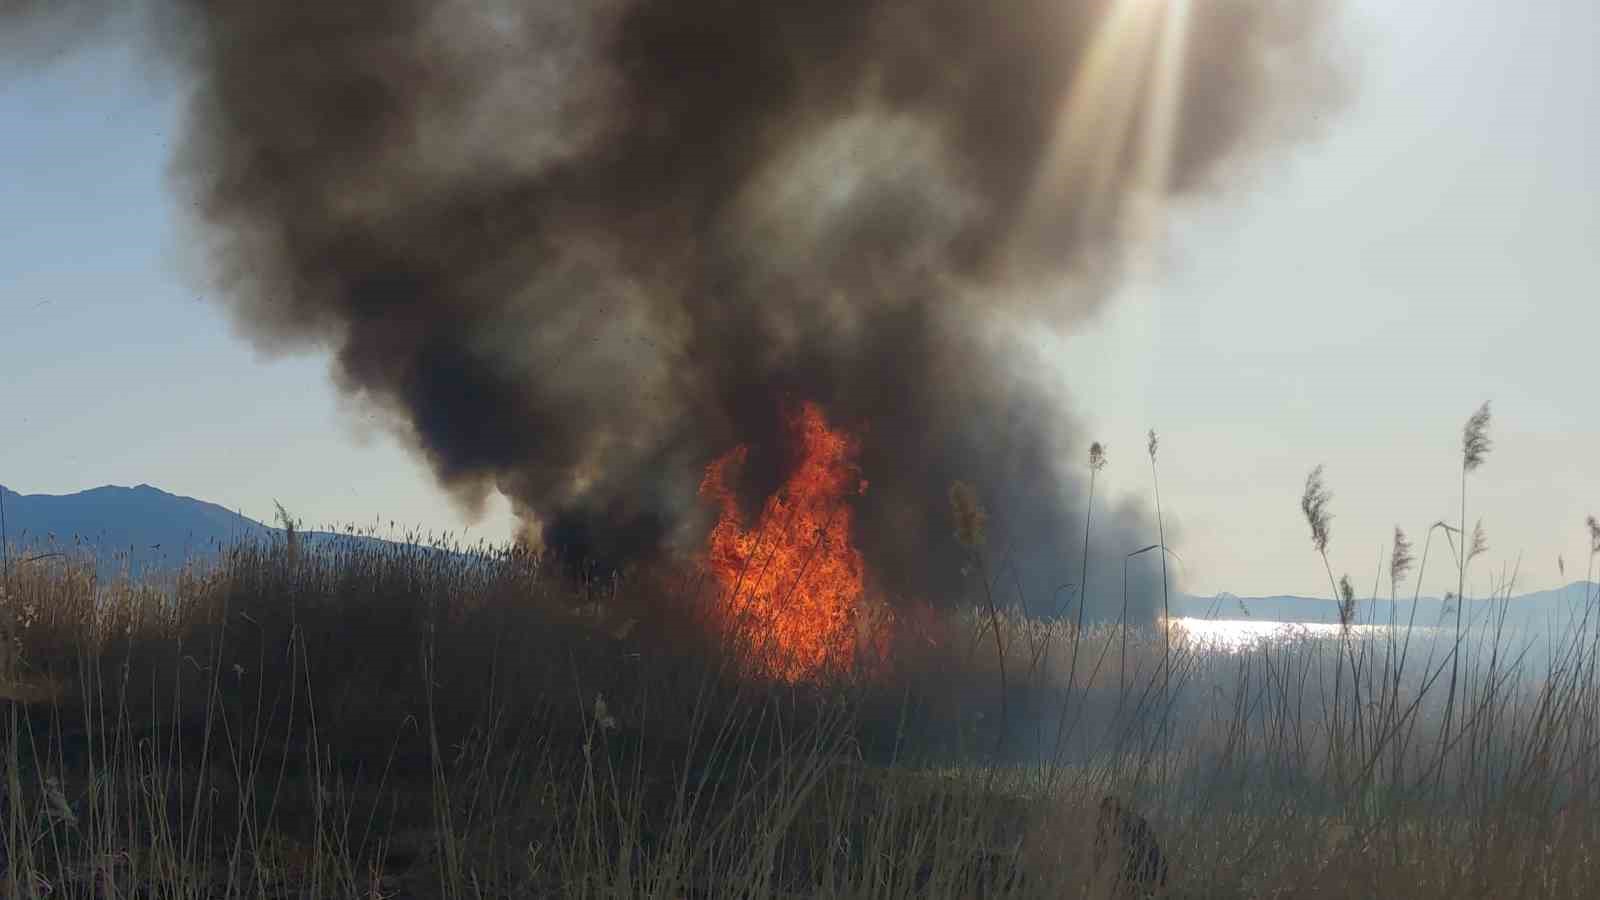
793	580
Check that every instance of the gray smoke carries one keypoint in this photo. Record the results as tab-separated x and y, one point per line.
581	249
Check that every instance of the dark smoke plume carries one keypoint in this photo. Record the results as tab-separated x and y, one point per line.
578	250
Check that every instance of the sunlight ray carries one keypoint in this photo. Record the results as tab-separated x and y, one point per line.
1096	121
1128	88
1163	112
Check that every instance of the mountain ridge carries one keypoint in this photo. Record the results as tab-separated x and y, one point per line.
1566	600
133	530
139	529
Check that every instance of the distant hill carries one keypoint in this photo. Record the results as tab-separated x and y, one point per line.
1540	608
139	529
131	530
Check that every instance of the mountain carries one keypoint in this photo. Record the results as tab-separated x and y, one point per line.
129	530
139	529
1539	608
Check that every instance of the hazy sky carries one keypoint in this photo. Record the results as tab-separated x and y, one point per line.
1350	304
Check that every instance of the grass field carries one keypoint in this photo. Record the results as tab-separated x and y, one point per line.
407	722
389	721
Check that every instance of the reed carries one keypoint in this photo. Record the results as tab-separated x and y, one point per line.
355	719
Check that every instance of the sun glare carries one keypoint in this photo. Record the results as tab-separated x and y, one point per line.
1129	83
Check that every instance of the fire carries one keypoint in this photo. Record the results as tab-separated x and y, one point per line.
793	582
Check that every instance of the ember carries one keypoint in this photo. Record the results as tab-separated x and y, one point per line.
792	583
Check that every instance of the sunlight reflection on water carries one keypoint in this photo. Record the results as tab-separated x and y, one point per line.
1236	635
1534	649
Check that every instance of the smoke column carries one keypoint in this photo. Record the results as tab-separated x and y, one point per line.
578	250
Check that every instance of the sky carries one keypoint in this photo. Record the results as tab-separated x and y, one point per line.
1348	303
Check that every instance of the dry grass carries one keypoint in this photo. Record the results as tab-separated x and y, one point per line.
359	720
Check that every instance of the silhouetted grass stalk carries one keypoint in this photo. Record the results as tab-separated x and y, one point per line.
1161	530
1475	445
1097	461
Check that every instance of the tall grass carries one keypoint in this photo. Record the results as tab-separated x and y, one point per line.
354	719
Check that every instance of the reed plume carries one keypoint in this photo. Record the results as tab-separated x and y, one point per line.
1480	542
1475	443
1314	504
1400	559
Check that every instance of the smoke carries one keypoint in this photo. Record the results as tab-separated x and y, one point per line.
35	31
577	250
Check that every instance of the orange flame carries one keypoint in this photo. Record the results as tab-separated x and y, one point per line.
793	583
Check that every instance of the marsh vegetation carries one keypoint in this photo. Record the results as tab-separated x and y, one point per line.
415	720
